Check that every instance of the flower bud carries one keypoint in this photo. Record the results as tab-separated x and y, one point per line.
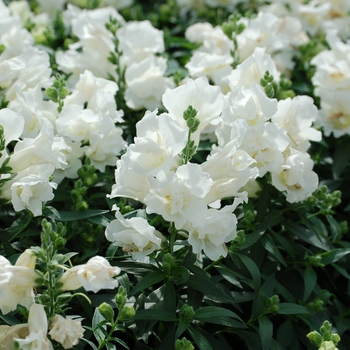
52	94
27	259
63	92
127	313
183	344
315	338
106	311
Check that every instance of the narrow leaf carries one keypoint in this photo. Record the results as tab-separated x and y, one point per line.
265	332
310	279
79	215
271	247
215	311
147	281
292	309
334	255
199	339
155	314
253	270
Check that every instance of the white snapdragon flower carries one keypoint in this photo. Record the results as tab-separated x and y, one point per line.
206	99
266	147
213	58
9	333
179	197
250	104
146	82
214	230
93	276
138	40
296	117
98	93
296	177
66	331
12	123
37	326
134	235
17	282
159	140
334	115
253	69
30	191
229	167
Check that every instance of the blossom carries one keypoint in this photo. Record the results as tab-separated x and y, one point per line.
134	235
296	117
95	275
214	230
207	100
179	196
17	282
9	333
37	325
295	176
66	331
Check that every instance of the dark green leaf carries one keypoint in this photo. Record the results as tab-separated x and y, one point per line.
265	331
334	255
229	276
341	158
253	270
199	339
170	298
271	247
96	326
147	281
155	314
215	311
285	333
292	309
310	279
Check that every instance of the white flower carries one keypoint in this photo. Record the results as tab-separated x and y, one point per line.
253	69
179	197
146	82
139	39
95	275
37	325
206	99
334	115
296	177
66	331
17	282
214	230
134	235
8	333
296	117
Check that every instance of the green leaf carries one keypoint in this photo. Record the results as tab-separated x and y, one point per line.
182	326
285	333
203	282
79	215
341	158
170	298
253	270
215	311
271	247
310	279
155	314
97	321
93	346
265	332
308	236
199	339
147	281
229	276
292	309
334	255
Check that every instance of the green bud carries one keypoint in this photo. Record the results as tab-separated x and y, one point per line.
2	48
315	338
195	124
240	28
106	311
190	112
169	262
82	205
64	298
52	94
121	298
326	327
269	91
187	312
183	344
63	92
126	313
263	82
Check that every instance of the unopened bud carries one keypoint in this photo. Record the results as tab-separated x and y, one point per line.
106	311
127	313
